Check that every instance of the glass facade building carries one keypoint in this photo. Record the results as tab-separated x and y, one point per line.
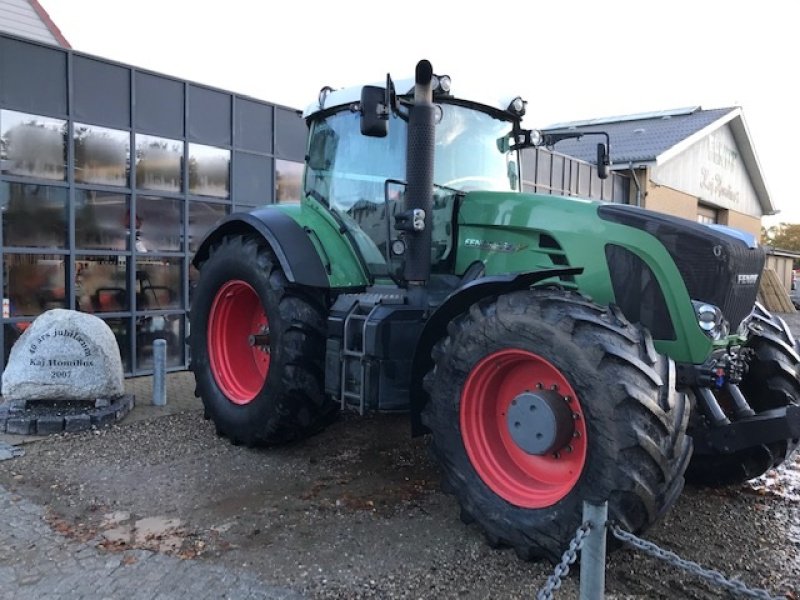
109	178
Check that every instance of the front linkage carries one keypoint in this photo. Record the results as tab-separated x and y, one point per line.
748	417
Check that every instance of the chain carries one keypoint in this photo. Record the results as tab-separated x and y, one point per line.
562	568
710	575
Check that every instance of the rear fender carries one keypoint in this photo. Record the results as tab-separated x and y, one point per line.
455	304
289	241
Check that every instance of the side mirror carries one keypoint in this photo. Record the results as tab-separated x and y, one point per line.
603	161
374	112
323	147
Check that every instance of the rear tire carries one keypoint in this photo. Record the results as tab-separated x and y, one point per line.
270	392
632	447
770	382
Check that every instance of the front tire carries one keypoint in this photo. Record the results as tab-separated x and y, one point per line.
534	351
257	346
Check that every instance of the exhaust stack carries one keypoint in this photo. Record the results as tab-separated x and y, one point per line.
419	176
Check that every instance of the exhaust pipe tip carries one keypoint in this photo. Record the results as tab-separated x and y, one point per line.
423	73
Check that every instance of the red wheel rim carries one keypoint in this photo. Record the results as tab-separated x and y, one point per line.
523	479
239	368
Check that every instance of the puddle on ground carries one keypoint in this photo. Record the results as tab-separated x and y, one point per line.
162	534
783	482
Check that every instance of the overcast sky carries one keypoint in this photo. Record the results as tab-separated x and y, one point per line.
570	59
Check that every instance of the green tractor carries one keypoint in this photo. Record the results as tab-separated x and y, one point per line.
556	349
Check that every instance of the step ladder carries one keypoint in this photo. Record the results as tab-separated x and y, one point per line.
355	367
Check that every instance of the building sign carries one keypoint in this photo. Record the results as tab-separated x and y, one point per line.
713	171
716	177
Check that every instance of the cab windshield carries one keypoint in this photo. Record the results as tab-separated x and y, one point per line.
349	171
346	167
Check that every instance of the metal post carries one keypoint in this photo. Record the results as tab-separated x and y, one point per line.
593	553
159	372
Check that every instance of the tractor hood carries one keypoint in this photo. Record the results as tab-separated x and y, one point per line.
650	264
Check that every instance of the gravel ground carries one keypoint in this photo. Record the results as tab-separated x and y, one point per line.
354	512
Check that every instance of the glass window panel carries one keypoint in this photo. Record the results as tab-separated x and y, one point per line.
34	283
102	155
202	217
209	169
159	222
208	117
159	104
32	76
101	283
34	215
253	125
151	328
290	134
288	181
159	163
101	220
32	146
252	179
101	92
121	330
158	283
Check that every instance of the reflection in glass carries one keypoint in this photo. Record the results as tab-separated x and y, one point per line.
202	217
208	171
32	146
101	283
120	328
34	283
158	283
158	163
102	155
151	328
158	224
101	220
34	215
288	181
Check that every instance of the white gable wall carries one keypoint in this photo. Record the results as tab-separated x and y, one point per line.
18	17
712	170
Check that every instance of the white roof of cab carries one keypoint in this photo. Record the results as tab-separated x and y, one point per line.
352	95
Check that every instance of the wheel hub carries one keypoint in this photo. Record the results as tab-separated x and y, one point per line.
540	422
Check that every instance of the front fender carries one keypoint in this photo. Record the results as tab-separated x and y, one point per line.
455	304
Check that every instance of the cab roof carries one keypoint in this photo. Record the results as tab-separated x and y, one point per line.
404	87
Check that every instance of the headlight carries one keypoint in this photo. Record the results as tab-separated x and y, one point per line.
711	320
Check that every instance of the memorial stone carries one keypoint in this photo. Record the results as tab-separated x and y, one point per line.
64	355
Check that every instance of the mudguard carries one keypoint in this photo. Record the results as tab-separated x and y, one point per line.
292	246
455	304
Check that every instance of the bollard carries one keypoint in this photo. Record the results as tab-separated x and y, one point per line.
593	553
159	372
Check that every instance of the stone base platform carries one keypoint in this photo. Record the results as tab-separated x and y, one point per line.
45	417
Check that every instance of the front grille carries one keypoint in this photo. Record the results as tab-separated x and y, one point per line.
709	261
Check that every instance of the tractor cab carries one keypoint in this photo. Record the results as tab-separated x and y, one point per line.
361	177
